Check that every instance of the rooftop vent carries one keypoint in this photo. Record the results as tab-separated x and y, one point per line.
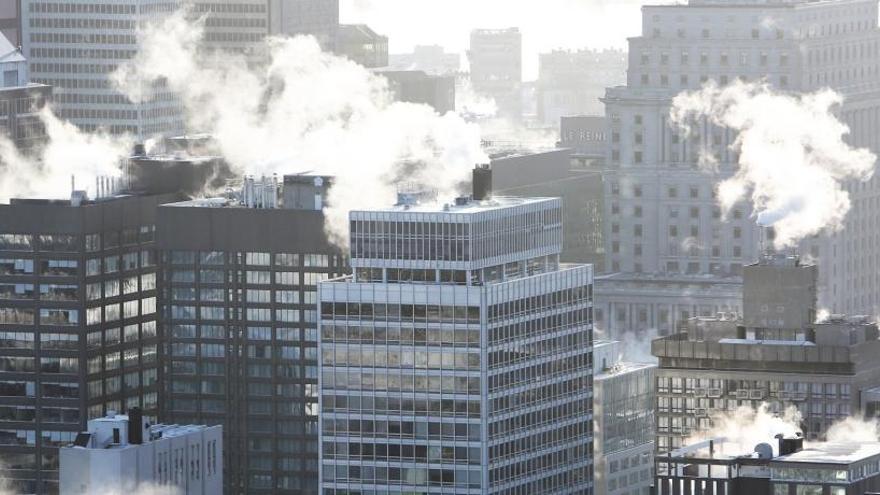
482	182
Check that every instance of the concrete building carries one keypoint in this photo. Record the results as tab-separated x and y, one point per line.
496	68
75	45
362	45
573	82
662	212
587	137
458	361
431	59
10	21
640	302
78	324
553	173
318	18
623	408
20	100
777	466
773	354
127	454
240	278
418	87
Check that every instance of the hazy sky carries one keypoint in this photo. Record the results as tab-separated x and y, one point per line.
546	24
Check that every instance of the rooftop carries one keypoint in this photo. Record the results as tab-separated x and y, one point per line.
464	205
833	453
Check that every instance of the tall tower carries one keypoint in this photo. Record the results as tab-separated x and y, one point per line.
457	358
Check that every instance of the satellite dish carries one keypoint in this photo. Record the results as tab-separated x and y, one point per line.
319	181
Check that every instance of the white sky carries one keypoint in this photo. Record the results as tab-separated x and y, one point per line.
546	24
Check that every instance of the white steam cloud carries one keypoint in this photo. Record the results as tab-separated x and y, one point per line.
793	159
305	110
746	427
68	152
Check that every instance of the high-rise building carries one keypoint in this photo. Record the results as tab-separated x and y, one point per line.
20	100
777	465
361	44
496	68
663	216
78	324
75	45
10	21
774	354
457	358
623	408
239	281
318	18
235	26
573	82
126	454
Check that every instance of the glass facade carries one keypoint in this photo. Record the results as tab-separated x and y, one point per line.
241	342
78	328
433	383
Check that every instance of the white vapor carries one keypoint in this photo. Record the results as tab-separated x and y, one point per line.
746	427
305	110
793	159
68	152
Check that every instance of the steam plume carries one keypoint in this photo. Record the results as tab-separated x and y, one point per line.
793	158
745	427
305	110
69	151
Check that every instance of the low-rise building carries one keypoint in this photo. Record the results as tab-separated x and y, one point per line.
125	453
778	466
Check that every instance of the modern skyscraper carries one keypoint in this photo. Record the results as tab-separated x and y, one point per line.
663	216
78	324
496	68
457	358
623	407
319	18
239	285
235	26
774	354
75	45
361	44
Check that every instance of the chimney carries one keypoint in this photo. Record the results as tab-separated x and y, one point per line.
139	150
482	182
135	426
711	449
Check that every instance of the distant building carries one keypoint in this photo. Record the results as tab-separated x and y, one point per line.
318	18
623	412
586	136
627	302
20	100
126	454
573	82
457	358
235	27
362	45
431	59
496	68
419	87
778	465
774	353
77	63
78	323
241	278
10	21
550	173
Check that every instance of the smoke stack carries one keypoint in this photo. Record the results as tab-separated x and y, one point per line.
711	449
139	150
135	426
482	182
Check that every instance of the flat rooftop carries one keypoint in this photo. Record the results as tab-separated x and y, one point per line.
621	368
833	453
464	207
